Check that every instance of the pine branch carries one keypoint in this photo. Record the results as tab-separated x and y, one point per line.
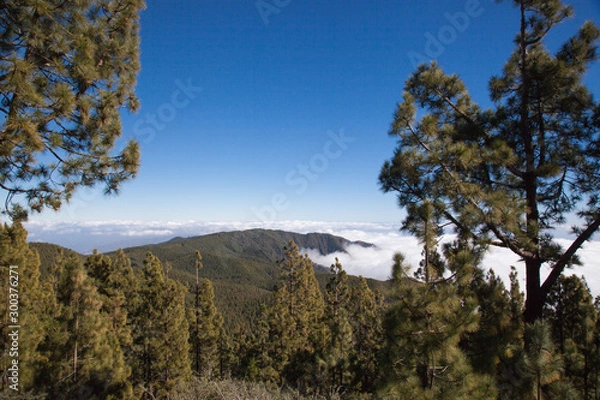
564	260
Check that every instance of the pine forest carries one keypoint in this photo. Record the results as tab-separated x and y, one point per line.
249	315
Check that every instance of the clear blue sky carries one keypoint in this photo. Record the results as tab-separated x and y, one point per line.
284	115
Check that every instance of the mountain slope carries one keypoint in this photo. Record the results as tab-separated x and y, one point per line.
240	257
49	252
242	265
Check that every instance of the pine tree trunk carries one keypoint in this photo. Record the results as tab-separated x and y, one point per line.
534	303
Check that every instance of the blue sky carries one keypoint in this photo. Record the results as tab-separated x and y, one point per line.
279	109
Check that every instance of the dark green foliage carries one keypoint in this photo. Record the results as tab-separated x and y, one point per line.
78	333
139	316
339	343
486	345
366	310
48	254
422	357
427	318
542	365
20	287
242	266
206	334
114	282
509	375
293	322
160	340
66	70
246	257
573	319
506	176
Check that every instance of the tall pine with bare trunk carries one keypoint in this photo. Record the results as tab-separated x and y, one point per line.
160	342
507	175
83	357
293	322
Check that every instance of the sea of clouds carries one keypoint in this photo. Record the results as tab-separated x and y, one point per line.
373	262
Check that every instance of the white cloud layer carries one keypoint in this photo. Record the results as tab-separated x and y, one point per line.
373	262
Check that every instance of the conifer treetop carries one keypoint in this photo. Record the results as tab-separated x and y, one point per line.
508	175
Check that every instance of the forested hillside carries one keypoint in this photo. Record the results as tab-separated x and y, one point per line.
105	328
241	265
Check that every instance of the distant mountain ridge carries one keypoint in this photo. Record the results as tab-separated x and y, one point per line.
266	243
242	265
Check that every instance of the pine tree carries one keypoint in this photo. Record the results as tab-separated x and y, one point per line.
506	176
128	283
511	378
571	314
177	366
542	363
294	320
423	327
161	348
83	352
276	344
243	341
110	282
366	312
195	323
226	358
517	305
534	370
127	280
23	300
486	345
264	363
67	69
208	340
339	345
